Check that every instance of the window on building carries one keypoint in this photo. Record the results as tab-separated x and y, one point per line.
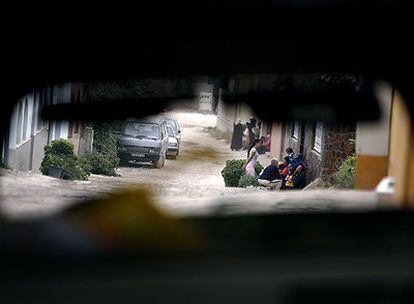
317	145
25	119
40	103
71	123
34	113
19	123
295	130
57	130
48	95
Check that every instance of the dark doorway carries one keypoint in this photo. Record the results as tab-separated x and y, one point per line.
302	138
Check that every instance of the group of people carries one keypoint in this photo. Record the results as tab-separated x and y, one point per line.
244	136
290	173
286	174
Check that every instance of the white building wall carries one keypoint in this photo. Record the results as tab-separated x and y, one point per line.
29	117
24	132
13	127
64	129
372	138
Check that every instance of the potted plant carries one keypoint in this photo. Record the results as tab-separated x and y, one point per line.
55	172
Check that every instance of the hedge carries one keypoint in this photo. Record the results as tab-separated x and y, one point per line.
60	154
345	176
232	172
247	180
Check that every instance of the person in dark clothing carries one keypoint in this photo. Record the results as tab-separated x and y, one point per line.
284	165
236	140
262	149
270	176
250	126
296	177
299	173
290	153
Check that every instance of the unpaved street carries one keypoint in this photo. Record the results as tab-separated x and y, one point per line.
191	184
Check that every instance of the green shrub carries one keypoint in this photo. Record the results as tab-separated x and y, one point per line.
345	176
60	154
247	180
104	158
51	160
233	171
106	136
74	169
100	163
60	147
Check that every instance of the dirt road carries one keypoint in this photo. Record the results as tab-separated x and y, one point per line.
191	184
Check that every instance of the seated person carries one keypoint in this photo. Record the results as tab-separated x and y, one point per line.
270	176
283	167
287	160
290	154
296	177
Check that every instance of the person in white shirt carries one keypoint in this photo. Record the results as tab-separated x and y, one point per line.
252	158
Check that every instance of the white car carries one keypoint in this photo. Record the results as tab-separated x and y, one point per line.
174	124
173	143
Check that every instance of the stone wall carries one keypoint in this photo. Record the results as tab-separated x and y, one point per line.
335	147
313	158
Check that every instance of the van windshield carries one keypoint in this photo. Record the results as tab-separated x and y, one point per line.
173	124
140	129
170	131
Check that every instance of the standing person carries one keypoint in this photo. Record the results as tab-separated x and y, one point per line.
250	125
256	132
262	149
267	143
252	156
246	139
236	140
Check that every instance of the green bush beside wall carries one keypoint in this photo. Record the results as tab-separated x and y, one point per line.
60	154
232	172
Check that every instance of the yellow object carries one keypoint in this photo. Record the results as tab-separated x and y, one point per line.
289	181
401	163
370	170
131	220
